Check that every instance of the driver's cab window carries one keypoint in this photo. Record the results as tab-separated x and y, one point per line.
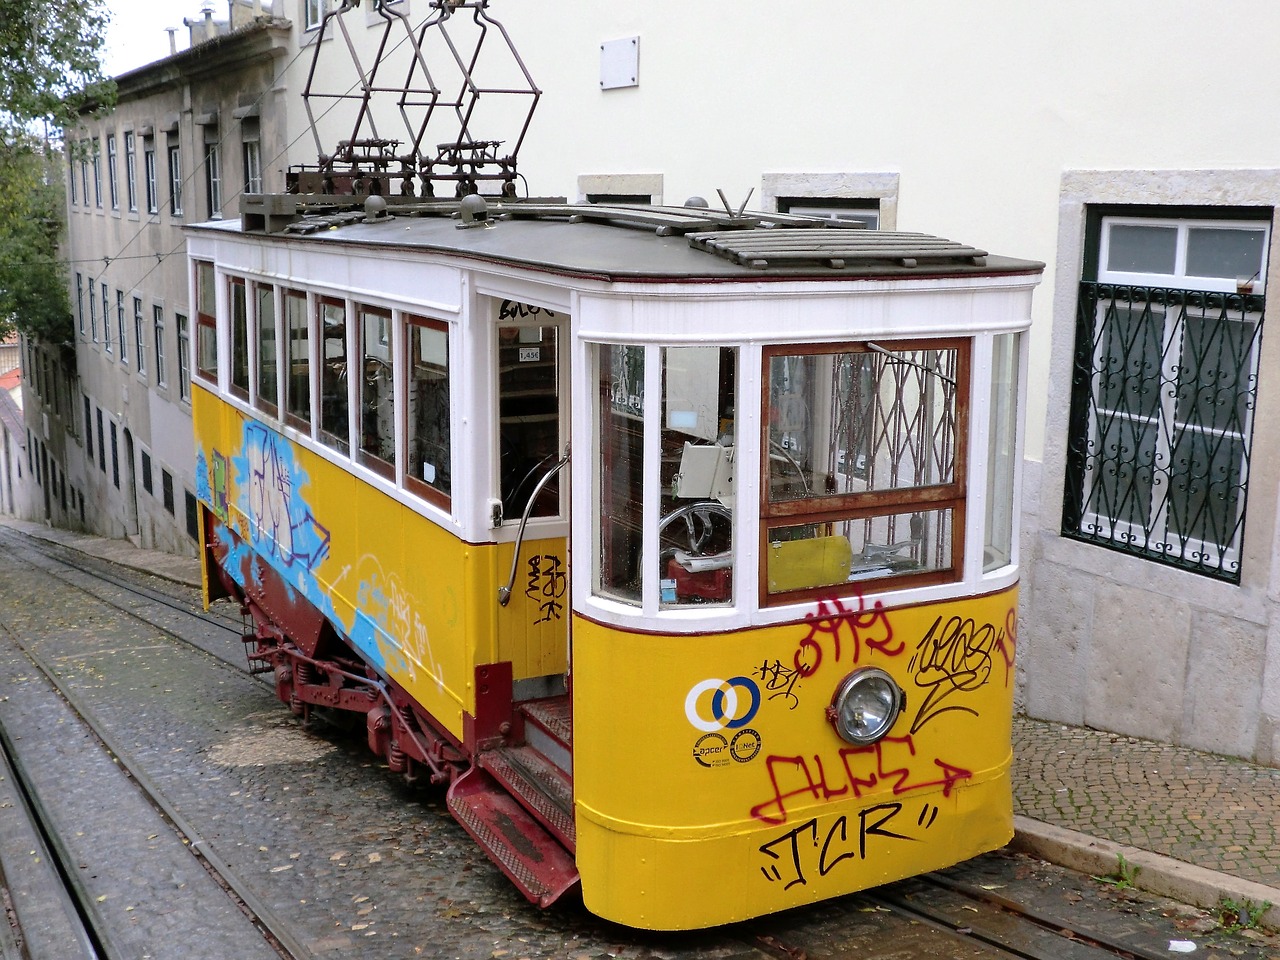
692	430
695	556
866	461
529	445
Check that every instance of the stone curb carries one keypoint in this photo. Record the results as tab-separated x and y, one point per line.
1155	873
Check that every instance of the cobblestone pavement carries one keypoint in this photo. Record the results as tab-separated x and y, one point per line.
1216	812
368	864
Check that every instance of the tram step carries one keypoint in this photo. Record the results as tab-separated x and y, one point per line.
521	846
539	785
548	727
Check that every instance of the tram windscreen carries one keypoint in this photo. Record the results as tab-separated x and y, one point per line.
620	414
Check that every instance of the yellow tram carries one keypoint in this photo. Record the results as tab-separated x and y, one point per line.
681	545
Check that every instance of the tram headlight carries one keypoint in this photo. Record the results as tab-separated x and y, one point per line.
865	706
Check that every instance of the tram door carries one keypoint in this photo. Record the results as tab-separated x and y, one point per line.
533	415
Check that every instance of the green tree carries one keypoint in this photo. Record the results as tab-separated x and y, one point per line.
33	285
50	76
50	62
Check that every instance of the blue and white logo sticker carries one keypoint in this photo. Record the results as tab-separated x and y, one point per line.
724	709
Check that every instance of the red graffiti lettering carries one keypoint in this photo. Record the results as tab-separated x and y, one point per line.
863	768
833	622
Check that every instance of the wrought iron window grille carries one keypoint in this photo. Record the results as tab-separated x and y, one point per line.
1164	390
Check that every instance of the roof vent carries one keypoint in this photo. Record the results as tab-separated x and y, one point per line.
473	211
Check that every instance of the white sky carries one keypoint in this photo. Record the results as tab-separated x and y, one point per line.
137	35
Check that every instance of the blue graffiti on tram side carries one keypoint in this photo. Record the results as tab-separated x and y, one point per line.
279	528
793	857
281	522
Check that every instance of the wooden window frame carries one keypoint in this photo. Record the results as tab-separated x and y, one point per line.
206	323
265	404
860	506
413	484
380	466
237	345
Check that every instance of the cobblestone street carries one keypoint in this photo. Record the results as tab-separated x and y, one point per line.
1199	808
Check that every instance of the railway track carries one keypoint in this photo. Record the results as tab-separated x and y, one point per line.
995	907
74	917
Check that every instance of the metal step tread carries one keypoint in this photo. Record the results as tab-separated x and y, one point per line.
521	847
538	784
554	715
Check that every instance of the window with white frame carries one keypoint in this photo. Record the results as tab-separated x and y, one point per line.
861	211
84	171
184	357
1169	323
97	174
175	176
252	166
157	321
213	178
120	328
149	172
131	171
138	339
106	319
113	181
312	13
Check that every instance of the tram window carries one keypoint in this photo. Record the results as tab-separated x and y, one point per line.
1001	459
268	362
206	323
297	384
239	338
866	455
429	468
695	543
620	415
377	412
529	417
335	420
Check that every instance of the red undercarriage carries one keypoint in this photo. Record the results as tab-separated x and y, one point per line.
506	786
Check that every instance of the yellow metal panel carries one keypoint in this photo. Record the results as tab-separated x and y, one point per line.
533	627
816	562
711	759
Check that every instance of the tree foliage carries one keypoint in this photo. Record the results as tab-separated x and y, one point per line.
33	280
50	64
50	76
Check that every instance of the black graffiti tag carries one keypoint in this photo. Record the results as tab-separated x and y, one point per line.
779	681
793	856
953	657
513	310
546	585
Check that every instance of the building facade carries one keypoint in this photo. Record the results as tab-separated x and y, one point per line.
189	134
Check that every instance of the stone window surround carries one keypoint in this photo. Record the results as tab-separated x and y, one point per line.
825	186
621	184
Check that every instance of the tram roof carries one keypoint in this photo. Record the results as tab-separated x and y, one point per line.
621	242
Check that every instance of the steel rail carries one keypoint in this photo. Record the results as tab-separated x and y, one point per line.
53	551
93	940
278	932
1041	919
